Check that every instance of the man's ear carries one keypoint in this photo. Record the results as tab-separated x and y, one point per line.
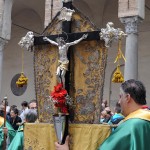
128	97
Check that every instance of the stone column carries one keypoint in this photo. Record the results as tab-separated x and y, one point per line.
5	30
131	53
1	15
2	43
6	22
131	13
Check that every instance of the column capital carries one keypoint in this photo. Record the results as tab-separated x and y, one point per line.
131	24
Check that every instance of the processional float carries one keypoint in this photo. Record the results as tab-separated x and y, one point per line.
69	63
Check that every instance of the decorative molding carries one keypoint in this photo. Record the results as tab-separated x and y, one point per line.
131	24
129	8
66	1
27	41
109	34
66	14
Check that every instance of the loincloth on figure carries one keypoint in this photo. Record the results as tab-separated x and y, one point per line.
63	64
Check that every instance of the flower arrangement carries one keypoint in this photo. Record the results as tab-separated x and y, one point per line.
60	99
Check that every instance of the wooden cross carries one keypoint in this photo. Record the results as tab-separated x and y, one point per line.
66	28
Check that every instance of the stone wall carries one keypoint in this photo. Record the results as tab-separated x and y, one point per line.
57	4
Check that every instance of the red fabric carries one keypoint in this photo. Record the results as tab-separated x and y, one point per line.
144	107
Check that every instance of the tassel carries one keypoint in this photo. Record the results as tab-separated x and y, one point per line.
117	76
22	80
119	54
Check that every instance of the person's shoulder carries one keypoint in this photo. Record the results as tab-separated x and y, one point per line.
19	119
135	123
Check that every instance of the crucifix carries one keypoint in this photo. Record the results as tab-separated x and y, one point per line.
108	34
63	61
64	45
88	71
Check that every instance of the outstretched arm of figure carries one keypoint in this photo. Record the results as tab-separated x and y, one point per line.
50	41
77	41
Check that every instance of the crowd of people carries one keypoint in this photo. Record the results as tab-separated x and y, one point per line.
15	116
15	120
131	116
110	117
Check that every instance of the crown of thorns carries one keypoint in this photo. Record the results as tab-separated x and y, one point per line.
62	38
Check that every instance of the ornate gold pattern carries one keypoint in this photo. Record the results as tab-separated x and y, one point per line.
45	78
34	133
87	67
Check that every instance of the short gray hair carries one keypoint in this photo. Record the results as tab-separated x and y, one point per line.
136	89
31	115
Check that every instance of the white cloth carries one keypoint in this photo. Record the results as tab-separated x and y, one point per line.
7	109
23	114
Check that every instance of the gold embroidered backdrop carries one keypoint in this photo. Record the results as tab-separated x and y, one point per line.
82	136
87	67
87	71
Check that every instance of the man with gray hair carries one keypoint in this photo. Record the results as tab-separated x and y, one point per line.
31	116
18	141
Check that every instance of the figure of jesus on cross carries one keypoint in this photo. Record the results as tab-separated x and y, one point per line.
63	61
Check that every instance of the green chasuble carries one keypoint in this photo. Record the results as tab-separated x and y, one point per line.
131	134
17	142
11	132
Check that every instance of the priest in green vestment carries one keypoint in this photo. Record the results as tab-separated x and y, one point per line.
11	132
17	143
133	132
